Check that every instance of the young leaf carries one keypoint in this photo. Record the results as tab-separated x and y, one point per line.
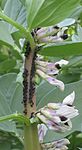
48	12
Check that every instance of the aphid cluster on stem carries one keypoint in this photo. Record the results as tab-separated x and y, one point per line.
28	77
27	48
32	82
25	77
25	90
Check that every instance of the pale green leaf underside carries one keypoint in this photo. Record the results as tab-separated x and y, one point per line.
48	12
5	34
10	99
16	11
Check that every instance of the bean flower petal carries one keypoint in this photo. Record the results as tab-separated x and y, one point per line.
42	129
69	99
57	116
56	82
56	145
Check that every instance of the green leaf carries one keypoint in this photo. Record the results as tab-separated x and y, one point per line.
7	65
9	141
2	3
47	93
5	34
7	126
15	105
77	12
66	22
8	89
16	11
12	91
75	62
62	49
69	77
3	57
23	1
48	12
75	140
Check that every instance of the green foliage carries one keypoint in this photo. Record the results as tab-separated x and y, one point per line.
75	140
47	12
5	35
10	101
14	26
9	141
63	49
16	11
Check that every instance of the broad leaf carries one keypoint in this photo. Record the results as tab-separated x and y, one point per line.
47	93
77	12
66	22
12	91
9	141
10	99
7	65
48	12
62	49
7	126
15	10
5	34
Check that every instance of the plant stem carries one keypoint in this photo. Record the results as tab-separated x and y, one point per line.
18	117
31	141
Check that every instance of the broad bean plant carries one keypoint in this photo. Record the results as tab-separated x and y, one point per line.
40	74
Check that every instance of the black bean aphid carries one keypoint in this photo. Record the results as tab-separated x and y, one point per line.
56	27
32	83
64	36
27	49
25	87
57	66
63	118
32	115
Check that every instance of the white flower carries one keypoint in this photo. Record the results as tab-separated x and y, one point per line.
51	39
69	99
62	62
57	116
50	79
47	70
42	129
51	34
56	145
45	31
56	82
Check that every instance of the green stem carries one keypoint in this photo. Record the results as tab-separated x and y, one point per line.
31	141
18	117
